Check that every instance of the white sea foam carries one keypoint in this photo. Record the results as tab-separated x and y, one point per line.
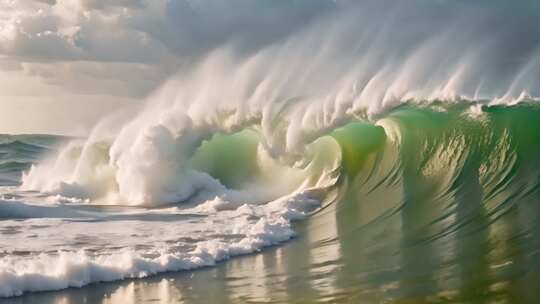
242	230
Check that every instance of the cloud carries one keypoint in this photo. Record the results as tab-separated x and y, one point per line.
49	2
109	4
123	49
144	30
163	33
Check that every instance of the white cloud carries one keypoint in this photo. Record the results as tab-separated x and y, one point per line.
122	49
143	30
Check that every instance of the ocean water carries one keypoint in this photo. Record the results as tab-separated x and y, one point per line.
387	152
429	204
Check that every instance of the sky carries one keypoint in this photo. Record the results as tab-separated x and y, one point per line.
64	64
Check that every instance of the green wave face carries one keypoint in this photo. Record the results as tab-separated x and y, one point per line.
357	141
435	148
238	162
232	159
439	202
446	210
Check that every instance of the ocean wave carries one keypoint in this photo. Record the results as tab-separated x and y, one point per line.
413	154
434	127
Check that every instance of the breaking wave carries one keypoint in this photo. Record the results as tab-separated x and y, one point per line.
222	158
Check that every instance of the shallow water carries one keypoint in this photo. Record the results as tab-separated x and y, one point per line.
343	263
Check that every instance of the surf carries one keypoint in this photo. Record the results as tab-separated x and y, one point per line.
373	119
